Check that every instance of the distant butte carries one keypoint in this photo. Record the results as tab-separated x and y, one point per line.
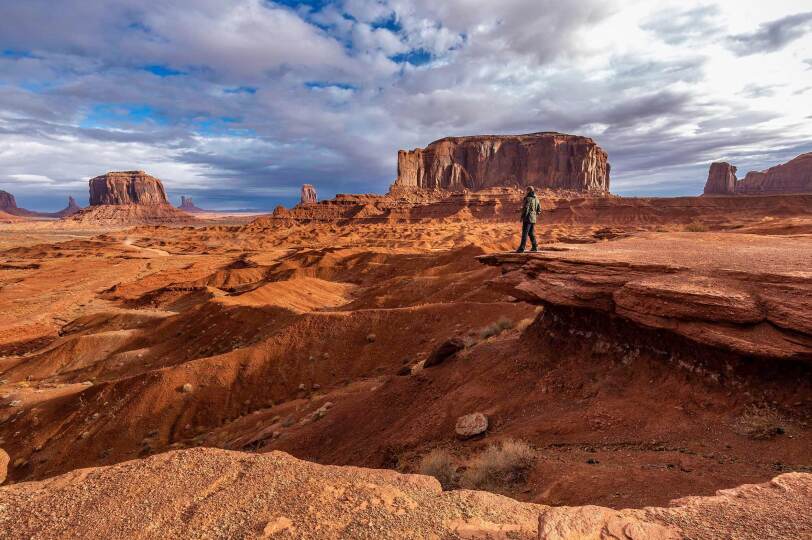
795	176
543	160
8	205
187	205
129	198
308	194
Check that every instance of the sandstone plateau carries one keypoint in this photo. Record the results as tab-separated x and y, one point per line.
795	176
543	160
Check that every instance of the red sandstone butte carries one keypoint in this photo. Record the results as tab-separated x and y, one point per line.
543	160
127	187
308	194
721	179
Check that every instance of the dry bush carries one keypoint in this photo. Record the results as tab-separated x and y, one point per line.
759	422
499	466
469	341
696	227
496	328
441	465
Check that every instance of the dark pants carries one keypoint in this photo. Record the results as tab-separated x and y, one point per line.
528	229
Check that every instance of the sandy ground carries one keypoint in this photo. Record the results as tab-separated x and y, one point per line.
124	343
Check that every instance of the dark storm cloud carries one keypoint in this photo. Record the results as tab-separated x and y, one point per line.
772	36
238	103
678	27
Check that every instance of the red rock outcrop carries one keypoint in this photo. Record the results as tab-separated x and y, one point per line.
127	187
187	205
749	296
544	160
721	179
323	501
69	210
794	176
308	194
7	202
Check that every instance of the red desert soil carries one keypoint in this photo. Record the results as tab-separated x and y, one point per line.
627	354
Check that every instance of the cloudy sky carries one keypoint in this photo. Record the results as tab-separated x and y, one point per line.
238	102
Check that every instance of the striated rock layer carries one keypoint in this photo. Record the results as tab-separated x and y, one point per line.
127	187
211	493
543	160
751	295
795	176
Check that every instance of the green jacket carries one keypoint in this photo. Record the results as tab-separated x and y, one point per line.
530	209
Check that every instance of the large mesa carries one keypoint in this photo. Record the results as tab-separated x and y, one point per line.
794	176
126	187
544	160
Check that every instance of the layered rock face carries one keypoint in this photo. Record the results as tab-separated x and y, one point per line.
721	179
795	176
543	160
69	210
187	205
748	296
308	194
127	187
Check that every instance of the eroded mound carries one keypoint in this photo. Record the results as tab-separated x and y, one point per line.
218	494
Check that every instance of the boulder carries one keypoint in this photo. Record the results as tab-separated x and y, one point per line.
543	160
445	351
721	179
471	425
308	194
127	187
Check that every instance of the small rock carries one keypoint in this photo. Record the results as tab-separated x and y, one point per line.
84	435
471	425
15	403
186	388
302	387
371	338
592	461
316	386
87	383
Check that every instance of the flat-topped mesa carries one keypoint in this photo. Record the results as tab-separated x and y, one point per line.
721	179
308	194
543	160
127	187
794	176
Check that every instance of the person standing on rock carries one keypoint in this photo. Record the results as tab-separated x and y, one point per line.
531	207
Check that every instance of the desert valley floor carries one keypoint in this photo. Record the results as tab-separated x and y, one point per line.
653	350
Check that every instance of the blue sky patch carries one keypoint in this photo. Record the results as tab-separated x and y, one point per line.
416	57
109	115
318	85
162	71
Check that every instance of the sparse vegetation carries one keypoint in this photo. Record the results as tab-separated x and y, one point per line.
499	466
759	422
696	227
441	465
469	341
496	328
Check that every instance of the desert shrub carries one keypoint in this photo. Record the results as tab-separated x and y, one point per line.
696	227
759	422
441	465
469	341
496	328
499	466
